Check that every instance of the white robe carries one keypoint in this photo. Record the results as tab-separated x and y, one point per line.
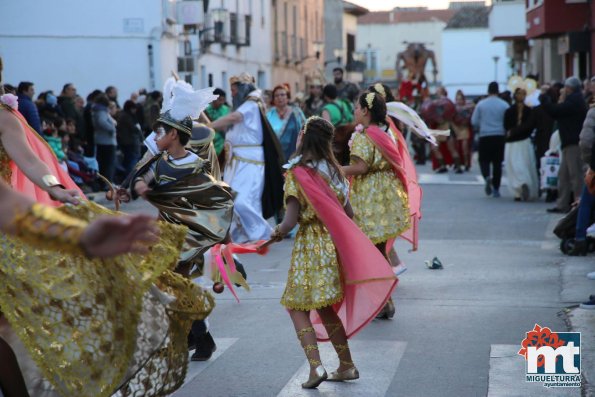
245	174
521	169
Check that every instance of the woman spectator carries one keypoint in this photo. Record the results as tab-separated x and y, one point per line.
519	155
129	135
104	127
287	120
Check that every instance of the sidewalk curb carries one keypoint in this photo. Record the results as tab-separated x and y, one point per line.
583	321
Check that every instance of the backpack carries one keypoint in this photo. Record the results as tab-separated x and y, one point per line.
346	117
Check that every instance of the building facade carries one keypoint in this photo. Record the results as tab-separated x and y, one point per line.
382	35
130	45
229	38
471	70
298	40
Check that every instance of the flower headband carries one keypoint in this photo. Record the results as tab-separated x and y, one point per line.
370	99
380	89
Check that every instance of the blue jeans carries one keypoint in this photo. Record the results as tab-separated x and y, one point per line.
583	220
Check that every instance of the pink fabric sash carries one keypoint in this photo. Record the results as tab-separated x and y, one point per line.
222	260
367	278
414	191
21	183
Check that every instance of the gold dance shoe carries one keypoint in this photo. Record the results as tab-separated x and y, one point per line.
315	381
349	374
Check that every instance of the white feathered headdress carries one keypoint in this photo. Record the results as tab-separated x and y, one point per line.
181	104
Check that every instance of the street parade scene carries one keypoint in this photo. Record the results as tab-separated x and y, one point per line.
292	198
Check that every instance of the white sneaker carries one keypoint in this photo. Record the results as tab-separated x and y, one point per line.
591	276
399	269
591	230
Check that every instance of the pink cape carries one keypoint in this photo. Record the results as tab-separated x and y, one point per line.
414	191
21	183
368	280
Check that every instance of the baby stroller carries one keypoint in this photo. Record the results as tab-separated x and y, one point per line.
566	230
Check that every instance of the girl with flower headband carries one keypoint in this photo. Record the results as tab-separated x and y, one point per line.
414	192
329	294
379	183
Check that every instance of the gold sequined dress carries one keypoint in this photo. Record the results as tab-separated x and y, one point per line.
94	327
378	198
314	278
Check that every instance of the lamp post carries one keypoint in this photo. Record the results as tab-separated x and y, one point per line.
496	58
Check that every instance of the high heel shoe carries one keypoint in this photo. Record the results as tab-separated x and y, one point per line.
314	381
349	374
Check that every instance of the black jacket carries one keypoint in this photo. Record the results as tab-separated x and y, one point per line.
514	130
569	114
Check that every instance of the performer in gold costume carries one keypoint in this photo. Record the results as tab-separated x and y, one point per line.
82	326
181	181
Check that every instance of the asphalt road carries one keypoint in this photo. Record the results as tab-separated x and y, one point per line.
456	332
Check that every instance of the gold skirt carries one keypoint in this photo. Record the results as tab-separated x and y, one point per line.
314	278
93	327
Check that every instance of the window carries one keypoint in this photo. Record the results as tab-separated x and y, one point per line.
284	35
294	41
248	25
233	27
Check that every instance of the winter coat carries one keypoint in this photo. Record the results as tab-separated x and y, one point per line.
103	125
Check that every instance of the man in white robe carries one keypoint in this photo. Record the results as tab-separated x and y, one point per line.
246	143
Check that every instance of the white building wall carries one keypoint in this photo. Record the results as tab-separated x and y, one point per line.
92	44
468	61
222	62
388	40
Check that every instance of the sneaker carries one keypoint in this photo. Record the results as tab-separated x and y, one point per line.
496	193
399	269
442	170
488	186
524	192
589	305
591	276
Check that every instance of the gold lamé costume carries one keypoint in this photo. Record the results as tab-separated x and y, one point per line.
189	195
314	278
378	198
94	327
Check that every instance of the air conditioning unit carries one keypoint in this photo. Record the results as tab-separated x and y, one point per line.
190	12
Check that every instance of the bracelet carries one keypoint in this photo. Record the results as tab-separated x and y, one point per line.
47	228
50	180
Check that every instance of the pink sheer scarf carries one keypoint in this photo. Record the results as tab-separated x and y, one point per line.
406	168
367	278
21	183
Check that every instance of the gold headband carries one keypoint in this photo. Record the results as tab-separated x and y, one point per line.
313	118
370	99
380	89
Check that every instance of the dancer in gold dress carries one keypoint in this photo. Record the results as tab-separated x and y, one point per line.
337	281
378	196
81	326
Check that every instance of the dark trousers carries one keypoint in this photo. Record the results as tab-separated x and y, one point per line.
491	156
106	157
131	156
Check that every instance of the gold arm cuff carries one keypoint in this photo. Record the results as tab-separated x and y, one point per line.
50	180
45	227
